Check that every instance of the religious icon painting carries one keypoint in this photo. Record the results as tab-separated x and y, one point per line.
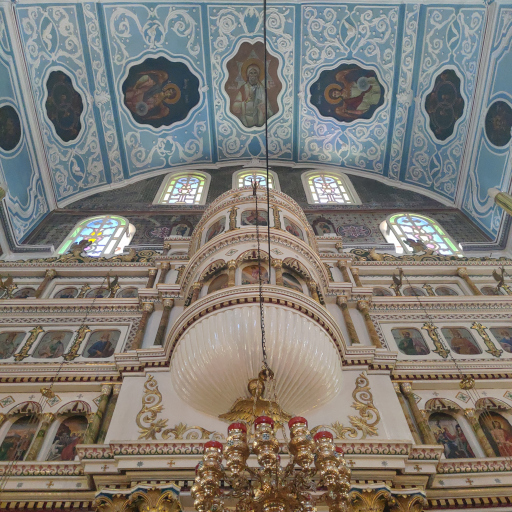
101	344
159	92
69	434
215	229
323	226
445	291
253	218
53	344
128	293
219	283
444	104
290	281
25	293
347	93
251	275
245	85
18	439
66	293
10	128
64	106
9	343
461	341
381	292
449	433
98	293
498	431
504	337
292	228
410	341
498	123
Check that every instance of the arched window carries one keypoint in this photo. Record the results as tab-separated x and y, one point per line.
329	188
107	234
245	178
183	188
416	233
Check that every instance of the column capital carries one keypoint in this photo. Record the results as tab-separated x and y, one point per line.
47	417
277	263
106	388
354	271
152	271
50	273
406	388
342	301
167	245
165	265
168	303
339	246
232	264
462	272
363	305
470	413
147	307
197	285
396	387
116	389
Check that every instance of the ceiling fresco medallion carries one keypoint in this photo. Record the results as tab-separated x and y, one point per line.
159	92
245	84
498	123
444	104
10	128
64	106
347	93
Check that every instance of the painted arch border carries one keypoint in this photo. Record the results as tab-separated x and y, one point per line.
149	54
84	94
372	67
225	75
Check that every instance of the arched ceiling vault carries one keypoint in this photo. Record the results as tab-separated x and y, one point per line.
98	94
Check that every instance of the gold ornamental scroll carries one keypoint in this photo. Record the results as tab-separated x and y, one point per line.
77	342
491	347
23	353
434	336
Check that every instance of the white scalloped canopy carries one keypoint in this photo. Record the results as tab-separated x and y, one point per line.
217	356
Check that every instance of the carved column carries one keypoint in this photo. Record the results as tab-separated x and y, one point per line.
426	433
48	276
363	306
93	428
46	420
477	429
463	273
164	268
196	287
312	287
355	273
344	272
407	414
147	309
232	265
339	246
107	417
278	265
341	301
152	276
164	320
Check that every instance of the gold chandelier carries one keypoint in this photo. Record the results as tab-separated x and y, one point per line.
316	472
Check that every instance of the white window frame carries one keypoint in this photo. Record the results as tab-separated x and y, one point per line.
121	238
159	198
256	170
347	184
395	236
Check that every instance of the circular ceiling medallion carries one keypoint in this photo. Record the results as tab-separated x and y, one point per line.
498	123
10	128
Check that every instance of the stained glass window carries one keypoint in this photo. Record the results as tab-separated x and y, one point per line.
329	188
417	233
107	235
246	178
184	189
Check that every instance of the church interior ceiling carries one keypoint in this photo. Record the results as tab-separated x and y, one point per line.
97	95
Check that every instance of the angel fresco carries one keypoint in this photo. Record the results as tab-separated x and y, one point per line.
159	92
347	93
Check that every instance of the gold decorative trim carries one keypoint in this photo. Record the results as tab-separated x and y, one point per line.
23	353
150	425
368	418
480	329
434	336
79	337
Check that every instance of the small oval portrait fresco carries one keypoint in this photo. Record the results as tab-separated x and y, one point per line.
10	128
498	123
128	293
445	291
410	342
215	229
293	229
347	93
53	344
101	344
251	218
97	293
64	106
66	293
413	291
444	104
25	293
461	341
159	92
245	84
504	337
9	342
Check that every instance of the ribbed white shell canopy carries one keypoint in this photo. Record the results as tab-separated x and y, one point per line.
217	356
